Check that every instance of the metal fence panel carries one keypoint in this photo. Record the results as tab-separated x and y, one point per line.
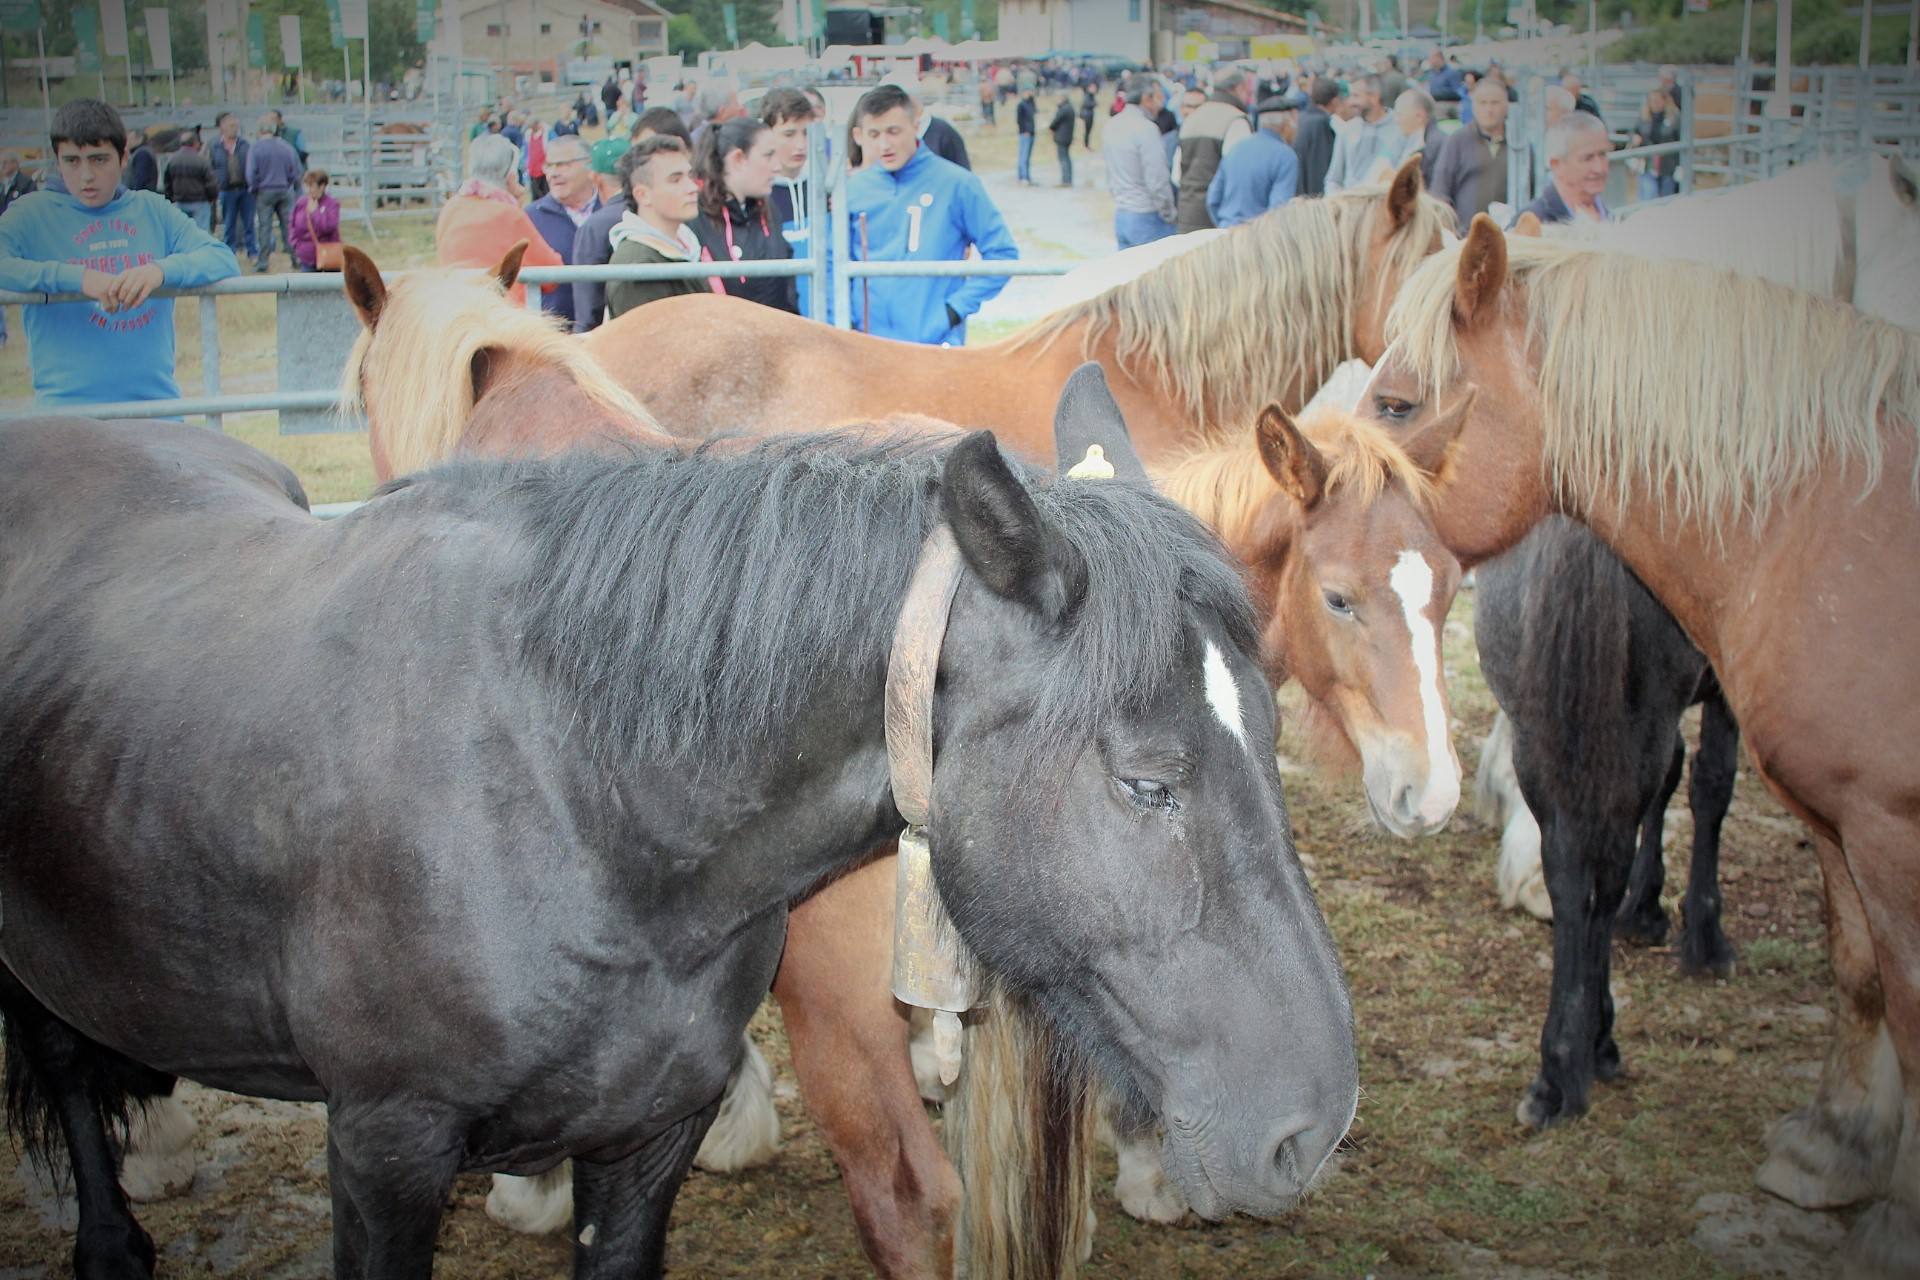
314	332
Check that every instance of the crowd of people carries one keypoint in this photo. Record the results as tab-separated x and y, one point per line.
695	177
704	180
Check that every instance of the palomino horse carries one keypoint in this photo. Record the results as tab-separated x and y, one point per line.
645	697
1847	230
1374	667
1193	350
1750	453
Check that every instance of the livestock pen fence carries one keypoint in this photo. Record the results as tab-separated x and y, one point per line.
1728	135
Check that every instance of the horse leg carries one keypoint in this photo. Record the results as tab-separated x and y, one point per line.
848	1037
55	1074
158	1160
391	1164
621	1208
1642	921
1586	866
1704	948
745	1133
1839	1149
1883	853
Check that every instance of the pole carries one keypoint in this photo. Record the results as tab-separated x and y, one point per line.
1913	35
346	53
1442	24
1479	20
1593	34
1746	31
46	98
1780	108
1403	19
173	91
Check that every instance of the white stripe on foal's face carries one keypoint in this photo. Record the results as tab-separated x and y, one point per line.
1223	694
1412	581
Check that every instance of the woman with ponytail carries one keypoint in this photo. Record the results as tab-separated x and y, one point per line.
736	164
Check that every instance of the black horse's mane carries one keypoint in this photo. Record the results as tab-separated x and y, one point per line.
693	600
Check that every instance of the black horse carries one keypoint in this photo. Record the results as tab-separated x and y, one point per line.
477	814
1595	675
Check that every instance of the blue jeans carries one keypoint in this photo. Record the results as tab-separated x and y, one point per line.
1025	169
236	215
200	211
1131	229
1652	188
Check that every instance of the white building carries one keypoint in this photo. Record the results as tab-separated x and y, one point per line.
1117	28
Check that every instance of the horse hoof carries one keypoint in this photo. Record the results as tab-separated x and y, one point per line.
1542	1107
1646	929
115	1253
533	1206
1810	1165
1883	1245
1711	960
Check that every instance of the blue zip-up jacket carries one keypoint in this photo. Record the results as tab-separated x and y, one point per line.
79	353
930	210
1261	173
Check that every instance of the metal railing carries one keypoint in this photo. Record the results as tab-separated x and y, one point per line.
321	399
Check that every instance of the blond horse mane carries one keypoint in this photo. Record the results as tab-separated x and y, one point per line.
1224	486
1264	311
412	373
1718	389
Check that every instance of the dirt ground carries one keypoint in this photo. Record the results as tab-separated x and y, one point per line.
1437	1178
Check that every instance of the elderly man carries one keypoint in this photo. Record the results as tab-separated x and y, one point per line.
1372	136
1420	133
572	198
1143	196
1471	173
484	219
273	176
1577	150
1261	173
717	102
1207	134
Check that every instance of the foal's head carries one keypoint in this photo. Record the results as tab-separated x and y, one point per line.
1109	830
1360	585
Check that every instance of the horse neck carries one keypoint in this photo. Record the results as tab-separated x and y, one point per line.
530	407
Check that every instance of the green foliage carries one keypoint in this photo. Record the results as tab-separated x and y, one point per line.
684	35
1822	35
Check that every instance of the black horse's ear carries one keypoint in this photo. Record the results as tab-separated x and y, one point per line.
1087	416
364	287
1002	535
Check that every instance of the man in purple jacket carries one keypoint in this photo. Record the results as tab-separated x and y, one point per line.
273	175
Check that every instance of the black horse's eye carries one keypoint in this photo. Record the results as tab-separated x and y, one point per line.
1394	408
1338	604
1147	793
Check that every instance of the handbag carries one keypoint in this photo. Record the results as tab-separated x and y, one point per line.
329	255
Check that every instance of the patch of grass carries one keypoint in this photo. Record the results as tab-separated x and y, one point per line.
1776	954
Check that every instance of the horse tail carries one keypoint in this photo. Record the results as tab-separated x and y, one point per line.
37	1046
1020	1130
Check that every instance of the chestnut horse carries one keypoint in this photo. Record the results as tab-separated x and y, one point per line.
1192	350
1750	453
1323	535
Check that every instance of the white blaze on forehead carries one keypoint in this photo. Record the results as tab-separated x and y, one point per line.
1223	693
1412	581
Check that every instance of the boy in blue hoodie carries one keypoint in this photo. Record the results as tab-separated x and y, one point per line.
86	233
910	205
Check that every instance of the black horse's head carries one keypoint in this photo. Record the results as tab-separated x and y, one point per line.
1108	828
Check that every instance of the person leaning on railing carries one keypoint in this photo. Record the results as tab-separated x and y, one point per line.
86	233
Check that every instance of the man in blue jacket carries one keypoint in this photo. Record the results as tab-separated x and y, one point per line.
1261	173
86	233
910	205
570	201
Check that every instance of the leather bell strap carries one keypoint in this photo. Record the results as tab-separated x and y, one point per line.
911	667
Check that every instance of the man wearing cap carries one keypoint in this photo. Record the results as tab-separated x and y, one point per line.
571	199
1207	135
1261	173
1137	169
